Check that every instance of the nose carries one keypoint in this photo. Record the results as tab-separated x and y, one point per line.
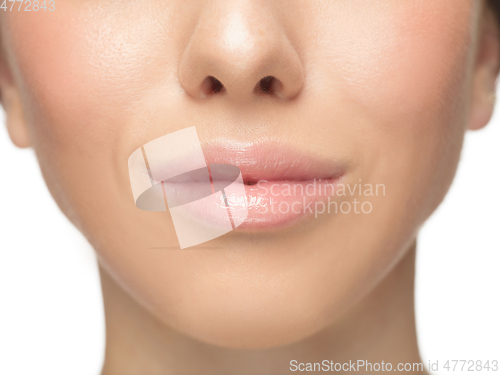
239	50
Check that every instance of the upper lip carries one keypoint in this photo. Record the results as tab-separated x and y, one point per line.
272	161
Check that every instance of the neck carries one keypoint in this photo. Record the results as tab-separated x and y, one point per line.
380	327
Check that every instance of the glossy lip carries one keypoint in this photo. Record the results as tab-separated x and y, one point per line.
265	165
272	161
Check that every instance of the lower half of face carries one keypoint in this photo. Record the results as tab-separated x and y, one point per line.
371	99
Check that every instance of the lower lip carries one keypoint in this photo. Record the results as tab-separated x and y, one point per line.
271	204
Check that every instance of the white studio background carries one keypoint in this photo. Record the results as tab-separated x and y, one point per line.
51	318
51	314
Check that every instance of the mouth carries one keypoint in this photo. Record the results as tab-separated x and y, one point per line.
219	186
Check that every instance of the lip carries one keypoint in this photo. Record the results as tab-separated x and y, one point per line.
272	161
213	188
282	184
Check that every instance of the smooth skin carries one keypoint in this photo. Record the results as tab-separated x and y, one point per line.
388	86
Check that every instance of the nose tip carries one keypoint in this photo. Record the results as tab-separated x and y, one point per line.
241	54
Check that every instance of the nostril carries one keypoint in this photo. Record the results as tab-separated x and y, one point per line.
212	85
265	84
269	85
217	85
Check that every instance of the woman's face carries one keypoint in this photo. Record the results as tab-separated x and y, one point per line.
377	93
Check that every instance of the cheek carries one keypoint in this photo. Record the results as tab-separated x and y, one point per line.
404	71
395	83
83	66
399	56
79	71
